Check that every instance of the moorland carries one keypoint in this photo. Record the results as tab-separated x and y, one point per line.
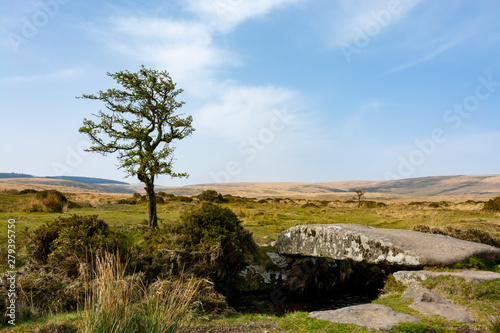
74	245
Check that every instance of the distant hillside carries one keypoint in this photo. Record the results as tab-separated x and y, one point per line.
483	186
487	185
86	180
14	175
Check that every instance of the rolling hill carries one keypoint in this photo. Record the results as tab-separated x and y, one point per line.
481	185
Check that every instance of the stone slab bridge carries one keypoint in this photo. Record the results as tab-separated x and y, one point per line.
380	246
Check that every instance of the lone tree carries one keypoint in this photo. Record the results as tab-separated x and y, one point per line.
360	192
141	127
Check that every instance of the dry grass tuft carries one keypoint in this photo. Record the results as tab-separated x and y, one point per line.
110	306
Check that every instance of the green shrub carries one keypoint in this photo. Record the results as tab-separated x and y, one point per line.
69	240
127	202
217	241
492	205
211	196
165	195
309	205
372	204
183	198
28	191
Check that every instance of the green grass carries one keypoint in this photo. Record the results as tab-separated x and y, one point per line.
266	220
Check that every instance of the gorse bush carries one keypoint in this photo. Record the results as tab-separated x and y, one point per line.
75	236
215	238
492	204
60	254
211	196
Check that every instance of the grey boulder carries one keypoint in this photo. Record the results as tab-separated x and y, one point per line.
380	246
368	315
430	303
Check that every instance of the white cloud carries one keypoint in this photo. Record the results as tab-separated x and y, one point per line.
240	111
442	48
224	15
350	17
184	48
48	77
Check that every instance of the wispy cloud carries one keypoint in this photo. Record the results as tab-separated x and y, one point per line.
240	110
442	48
188	49
63	74
350	17
224	15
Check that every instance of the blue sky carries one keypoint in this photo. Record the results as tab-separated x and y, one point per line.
280	90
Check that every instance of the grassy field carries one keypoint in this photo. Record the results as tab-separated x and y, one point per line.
266	218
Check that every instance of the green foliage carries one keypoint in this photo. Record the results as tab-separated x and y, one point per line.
478	263
211	196
492	205
66	238
469	234
27	191
486	291
127	201
372	204
141	127
309	205
216	239
182	198
494	324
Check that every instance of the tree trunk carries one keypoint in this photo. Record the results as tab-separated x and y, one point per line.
152	215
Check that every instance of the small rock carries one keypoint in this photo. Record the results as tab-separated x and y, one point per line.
278	260
409	277
429	302
367	315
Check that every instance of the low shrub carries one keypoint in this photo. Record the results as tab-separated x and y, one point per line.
182	198
28	191
492	205
50	201
217	242
309	205
211	196
69	240
47	292
372	204
127	202
470	234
